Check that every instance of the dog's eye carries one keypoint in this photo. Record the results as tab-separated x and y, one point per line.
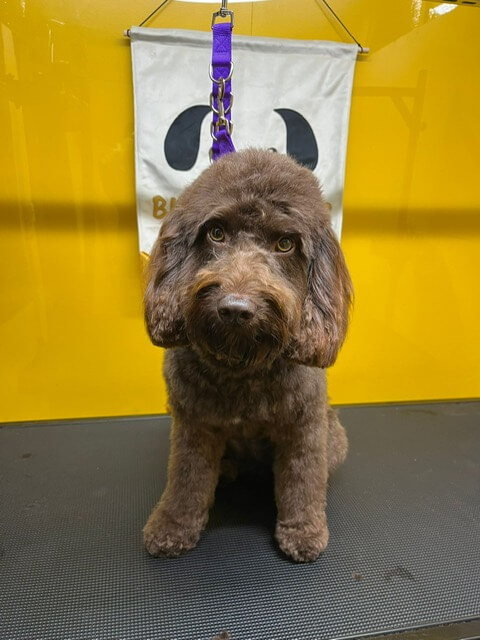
216	234
285	245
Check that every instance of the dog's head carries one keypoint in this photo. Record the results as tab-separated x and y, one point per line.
247	268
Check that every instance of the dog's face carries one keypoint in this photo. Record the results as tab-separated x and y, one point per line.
247	268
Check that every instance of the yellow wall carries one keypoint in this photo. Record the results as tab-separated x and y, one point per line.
72	342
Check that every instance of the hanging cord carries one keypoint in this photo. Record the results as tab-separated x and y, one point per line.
153	13
362	49
223	9
162	4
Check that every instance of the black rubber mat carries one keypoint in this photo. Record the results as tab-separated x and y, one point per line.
404	548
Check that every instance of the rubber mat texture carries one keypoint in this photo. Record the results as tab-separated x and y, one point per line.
404	545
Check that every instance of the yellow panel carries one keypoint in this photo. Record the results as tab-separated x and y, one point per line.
72	342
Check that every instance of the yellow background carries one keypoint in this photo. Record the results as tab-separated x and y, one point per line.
72	341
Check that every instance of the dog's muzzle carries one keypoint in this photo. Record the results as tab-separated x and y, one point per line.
241	311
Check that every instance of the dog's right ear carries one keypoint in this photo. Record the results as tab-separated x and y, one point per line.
166	274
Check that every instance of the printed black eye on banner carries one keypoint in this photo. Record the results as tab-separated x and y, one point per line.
182	141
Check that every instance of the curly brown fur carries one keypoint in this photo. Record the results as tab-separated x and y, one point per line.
249	330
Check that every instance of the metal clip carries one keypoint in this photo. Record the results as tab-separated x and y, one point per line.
223	13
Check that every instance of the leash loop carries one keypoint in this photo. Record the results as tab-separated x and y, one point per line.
218	80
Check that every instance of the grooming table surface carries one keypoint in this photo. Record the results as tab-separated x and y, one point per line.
404	547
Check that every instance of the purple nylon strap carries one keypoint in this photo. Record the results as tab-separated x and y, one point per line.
221	68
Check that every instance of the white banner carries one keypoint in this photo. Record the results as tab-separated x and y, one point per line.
290	95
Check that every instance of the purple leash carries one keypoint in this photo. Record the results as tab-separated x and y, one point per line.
221	98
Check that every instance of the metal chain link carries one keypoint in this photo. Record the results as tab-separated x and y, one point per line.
221	112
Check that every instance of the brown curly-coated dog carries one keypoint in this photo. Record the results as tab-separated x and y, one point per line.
248	289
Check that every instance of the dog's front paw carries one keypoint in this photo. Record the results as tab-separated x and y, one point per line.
302	542
163	537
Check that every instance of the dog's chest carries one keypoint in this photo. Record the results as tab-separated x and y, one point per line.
247	405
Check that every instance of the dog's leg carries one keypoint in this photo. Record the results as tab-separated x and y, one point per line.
301	474
176	522
337	441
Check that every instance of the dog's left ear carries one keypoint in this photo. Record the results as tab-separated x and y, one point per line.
326	307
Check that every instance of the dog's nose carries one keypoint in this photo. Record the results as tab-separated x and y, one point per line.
236	309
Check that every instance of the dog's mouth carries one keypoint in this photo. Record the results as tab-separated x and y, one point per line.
240	352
